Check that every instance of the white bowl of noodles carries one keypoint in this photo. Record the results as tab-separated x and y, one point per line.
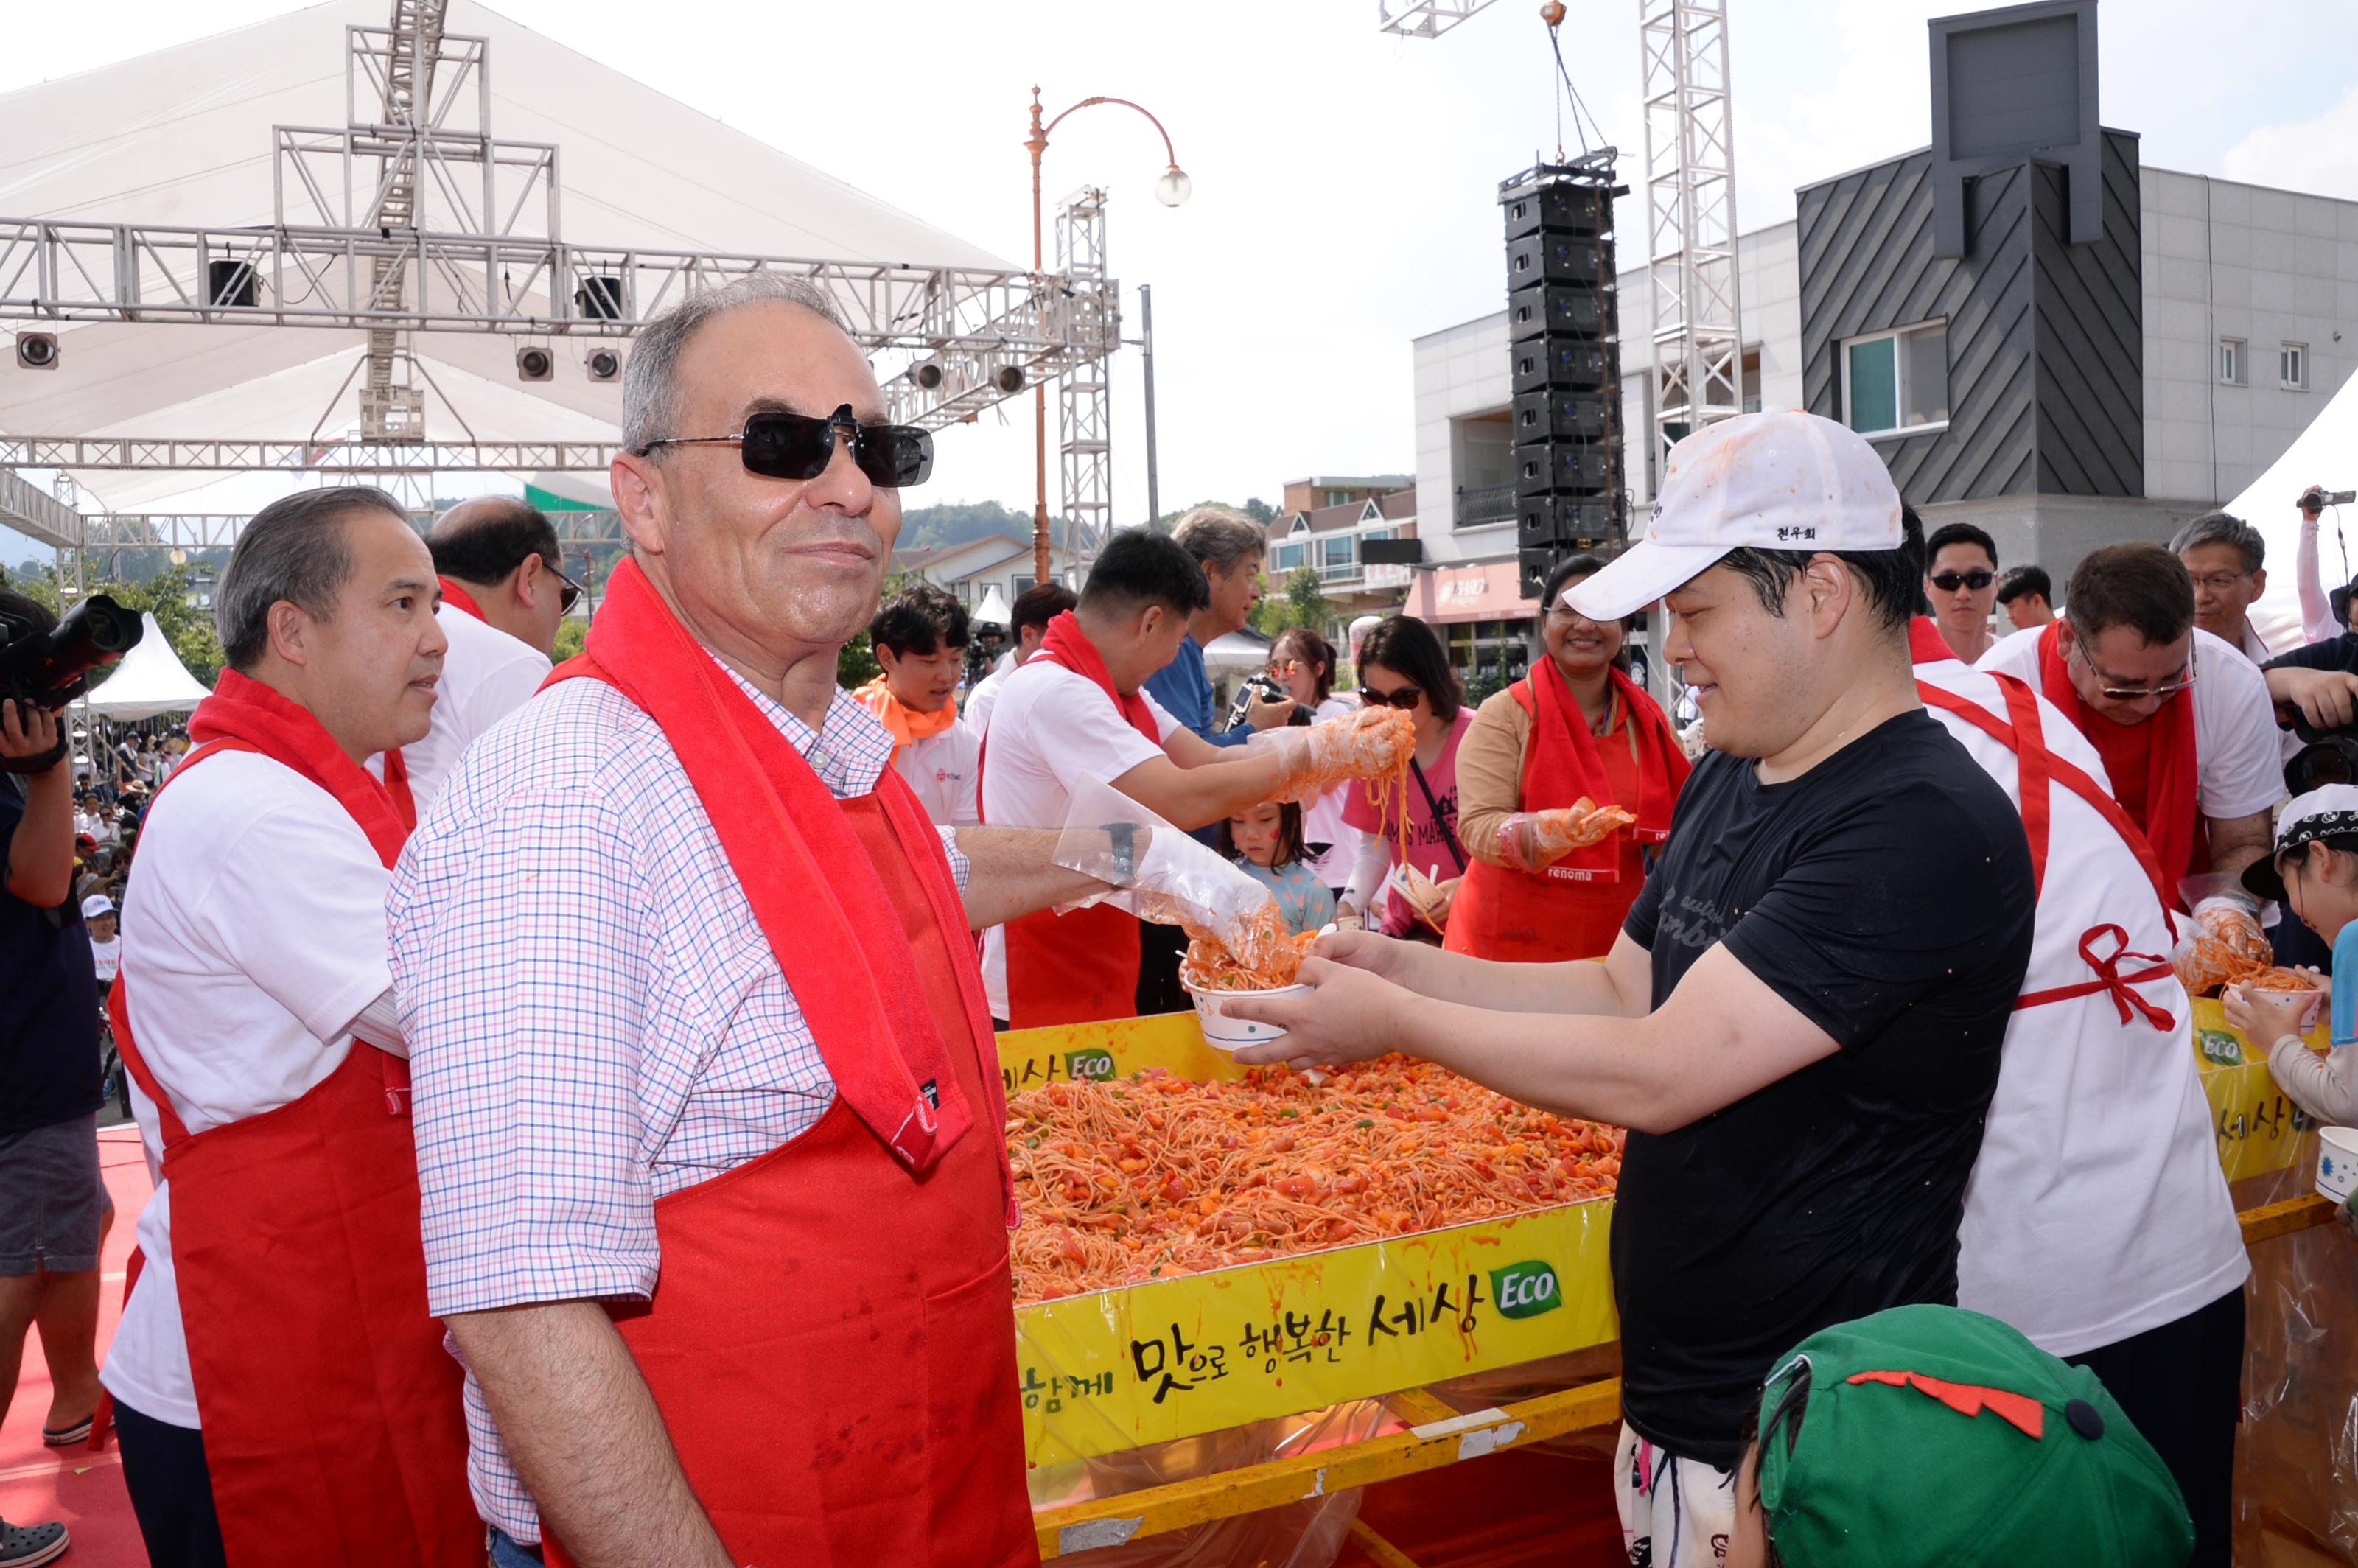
1225	1033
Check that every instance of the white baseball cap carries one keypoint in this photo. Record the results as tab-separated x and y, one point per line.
1786	481
96	904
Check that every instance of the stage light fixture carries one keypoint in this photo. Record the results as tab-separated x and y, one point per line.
1008	378
534	363
605	365
927	375
36	350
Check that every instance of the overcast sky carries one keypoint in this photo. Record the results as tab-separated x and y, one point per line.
1343	178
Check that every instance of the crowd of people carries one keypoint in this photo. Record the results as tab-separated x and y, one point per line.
571	1012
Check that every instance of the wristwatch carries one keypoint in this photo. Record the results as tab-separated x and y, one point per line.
1125	852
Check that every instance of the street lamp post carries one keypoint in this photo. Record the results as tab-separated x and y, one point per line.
1171	189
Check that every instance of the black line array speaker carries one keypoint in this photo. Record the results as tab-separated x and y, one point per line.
1564	336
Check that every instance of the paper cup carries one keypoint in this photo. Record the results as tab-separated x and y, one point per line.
2337	1162
1225	1034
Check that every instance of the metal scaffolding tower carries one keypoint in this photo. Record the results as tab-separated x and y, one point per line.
1698	335
1423	18
1084	395
391	410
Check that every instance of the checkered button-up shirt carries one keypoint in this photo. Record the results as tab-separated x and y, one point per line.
594	1016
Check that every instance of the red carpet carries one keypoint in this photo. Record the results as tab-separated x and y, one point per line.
82	1489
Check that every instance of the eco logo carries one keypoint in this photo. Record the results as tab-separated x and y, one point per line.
2220	1046
1084	1064
1525	1290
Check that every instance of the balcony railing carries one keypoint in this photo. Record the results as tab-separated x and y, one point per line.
1479	504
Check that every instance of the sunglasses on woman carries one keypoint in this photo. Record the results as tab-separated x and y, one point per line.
1976	580
1404	698
778	445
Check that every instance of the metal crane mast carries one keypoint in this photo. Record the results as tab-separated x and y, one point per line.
1698	333
391	412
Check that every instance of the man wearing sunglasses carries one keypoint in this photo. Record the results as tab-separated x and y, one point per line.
690	995
1960	580
503	594
2181	719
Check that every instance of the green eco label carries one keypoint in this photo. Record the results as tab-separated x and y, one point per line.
1081	1064
2220	1046
1525	1290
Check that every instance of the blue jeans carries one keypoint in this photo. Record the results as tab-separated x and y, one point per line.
507	1553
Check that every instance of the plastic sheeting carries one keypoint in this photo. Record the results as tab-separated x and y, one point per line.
1306	1534
2297	1457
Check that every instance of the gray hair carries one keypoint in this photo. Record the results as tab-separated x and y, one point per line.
1219	537
2223	528
295	549
651	379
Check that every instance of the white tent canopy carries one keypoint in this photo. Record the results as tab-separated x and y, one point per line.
183	136
2323	454
148	681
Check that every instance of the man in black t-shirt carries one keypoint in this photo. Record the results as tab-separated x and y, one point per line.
50	1191
1800	1022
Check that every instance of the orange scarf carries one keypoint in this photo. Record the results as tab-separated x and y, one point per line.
901	721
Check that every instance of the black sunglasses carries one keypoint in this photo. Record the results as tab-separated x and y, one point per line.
1404	698
799	446
1976	580
568	596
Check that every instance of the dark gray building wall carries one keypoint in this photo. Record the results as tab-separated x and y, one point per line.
2045	339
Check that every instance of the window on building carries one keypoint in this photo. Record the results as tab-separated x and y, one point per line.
1337	497
2292	367
964	591
1020	583
2233	370
1897	381
1287	558
1338	557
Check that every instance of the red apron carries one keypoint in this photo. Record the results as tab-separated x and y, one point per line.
1083	967
1575	908
832	1345
2104	948
334	1426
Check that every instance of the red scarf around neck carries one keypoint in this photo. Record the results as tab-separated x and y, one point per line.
1563	748
245	711
1066	644
2164	756
813	889
453	594
1925	643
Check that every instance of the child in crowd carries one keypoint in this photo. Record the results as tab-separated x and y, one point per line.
105	946
1266	840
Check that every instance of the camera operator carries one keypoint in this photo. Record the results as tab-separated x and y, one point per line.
2320	619
50	1184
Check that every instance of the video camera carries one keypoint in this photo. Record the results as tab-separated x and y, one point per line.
2317	498
1268	690
48	667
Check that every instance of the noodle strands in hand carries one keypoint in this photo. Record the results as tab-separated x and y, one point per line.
2226	946
1144	1178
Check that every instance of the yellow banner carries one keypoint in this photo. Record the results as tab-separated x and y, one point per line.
1177	1357
2258	1129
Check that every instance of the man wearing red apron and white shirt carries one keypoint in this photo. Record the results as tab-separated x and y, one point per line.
715	1193
2097	1221
502	598
282	1394
2182	720
1075	712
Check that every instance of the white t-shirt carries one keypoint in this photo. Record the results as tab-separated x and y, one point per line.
1050	729
941	769
2239	764
486	675
2096	1209
252	935
979	701
108	958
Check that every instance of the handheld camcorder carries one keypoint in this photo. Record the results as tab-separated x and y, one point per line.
48	667
1268	690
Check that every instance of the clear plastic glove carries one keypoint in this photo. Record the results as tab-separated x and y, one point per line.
2224	943
1365	744
1534	840
1170	878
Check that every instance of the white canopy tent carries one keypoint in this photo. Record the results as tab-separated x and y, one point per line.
149	680
184	136
2326	454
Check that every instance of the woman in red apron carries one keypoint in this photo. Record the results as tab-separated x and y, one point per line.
1577	725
